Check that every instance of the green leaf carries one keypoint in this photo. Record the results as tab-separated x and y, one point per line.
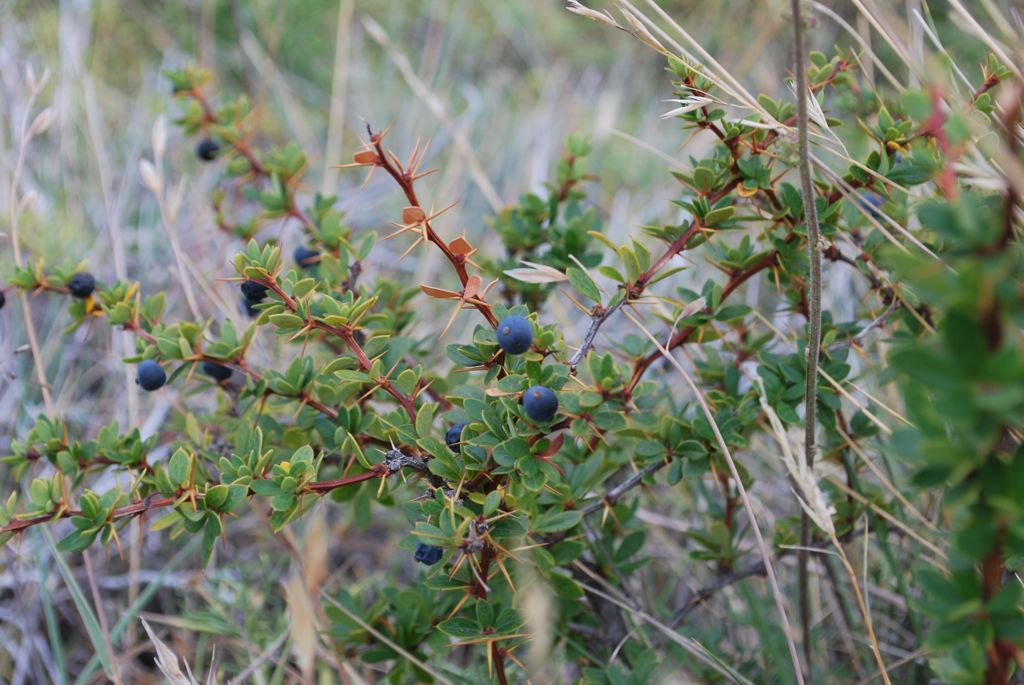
77	541
720	215
492	502
265	488
460	627
216	497
425	420
178	466
92	624
565	587
553	522
583	283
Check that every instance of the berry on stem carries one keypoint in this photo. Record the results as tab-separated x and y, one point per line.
515	334
249	307
306	257
253	291
540	403
207	149
217	372
151	375
3	299
872	202
81	285
428	554
454	436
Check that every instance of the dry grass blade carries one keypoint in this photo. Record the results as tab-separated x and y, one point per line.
602	17
878	63
886	483
762	546
985	36
27	132
641	33
536	273
804	114
263	657
101	615
302	623
734	86
438	109
167	661
339	93
814	503
937	551
837	386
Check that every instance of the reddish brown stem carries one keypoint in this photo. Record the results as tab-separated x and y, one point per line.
406	181
378	471
1000	653
679	244
142	506
676	246
479	589
499	663
347	336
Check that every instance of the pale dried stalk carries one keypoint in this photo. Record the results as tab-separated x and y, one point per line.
16	207
813	308
817	509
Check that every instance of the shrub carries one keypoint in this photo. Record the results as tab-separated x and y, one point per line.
517	461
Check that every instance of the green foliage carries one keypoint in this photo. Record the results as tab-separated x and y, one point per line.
964	392
359	412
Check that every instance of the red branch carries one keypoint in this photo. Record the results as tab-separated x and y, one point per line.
140	507
346	336
406	179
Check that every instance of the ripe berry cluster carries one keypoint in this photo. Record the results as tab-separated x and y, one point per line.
515	336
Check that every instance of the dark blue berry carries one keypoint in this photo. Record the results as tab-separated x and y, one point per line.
249	307
540	404
515	334
872	202
428	554
151	375
207	150
306	257
81	285
3	299
454	436
217	372
253	291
